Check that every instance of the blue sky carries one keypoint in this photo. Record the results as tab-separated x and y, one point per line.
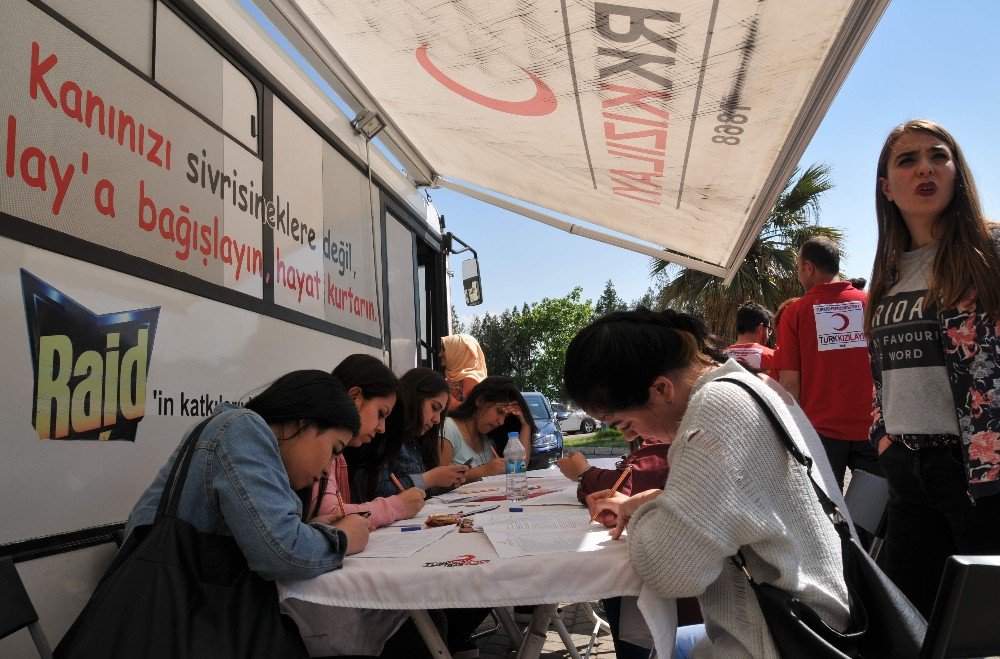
925	59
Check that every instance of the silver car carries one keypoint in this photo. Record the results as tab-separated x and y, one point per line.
573	420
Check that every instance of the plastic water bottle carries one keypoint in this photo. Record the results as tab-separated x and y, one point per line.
517	478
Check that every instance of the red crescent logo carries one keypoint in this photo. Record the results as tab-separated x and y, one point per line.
847	321
542	103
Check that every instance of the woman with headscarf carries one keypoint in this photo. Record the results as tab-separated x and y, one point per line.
464	365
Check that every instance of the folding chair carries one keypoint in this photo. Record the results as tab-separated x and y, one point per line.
599	624
867	499
965	621
16	610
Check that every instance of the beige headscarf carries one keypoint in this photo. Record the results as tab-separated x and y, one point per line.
463	358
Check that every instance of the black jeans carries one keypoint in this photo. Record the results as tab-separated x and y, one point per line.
845	453
931	517
623	649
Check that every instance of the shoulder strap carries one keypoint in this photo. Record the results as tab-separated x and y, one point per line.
171	495
831	508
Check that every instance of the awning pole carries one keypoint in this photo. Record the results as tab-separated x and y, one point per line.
577	230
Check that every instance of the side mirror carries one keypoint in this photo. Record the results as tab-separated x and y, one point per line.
471	282
562	416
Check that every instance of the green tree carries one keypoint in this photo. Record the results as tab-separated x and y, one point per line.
551	324
456	325
505	344
768	273
609	301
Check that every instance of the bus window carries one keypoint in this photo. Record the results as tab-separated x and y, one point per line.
124	26
402	293
191	68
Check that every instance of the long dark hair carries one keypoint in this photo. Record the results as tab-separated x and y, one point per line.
402	426
316	397
368	374
494	389
965	257
611	363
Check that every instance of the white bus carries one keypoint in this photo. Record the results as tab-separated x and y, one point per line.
181	219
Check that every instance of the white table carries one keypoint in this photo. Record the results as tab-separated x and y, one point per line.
462	570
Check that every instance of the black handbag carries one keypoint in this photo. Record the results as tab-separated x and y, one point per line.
173	591
883	621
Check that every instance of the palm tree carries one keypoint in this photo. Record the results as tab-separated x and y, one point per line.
767	274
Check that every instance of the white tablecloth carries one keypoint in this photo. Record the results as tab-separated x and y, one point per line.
462	570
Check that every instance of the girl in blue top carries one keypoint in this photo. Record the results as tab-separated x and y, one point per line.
410	446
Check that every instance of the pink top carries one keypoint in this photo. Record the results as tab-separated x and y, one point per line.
384	510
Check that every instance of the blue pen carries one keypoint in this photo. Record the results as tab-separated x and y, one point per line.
516	510
409	528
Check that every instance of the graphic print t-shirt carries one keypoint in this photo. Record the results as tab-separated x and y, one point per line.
906	336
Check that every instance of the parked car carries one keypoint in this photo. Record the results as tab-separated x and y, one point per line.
547	445
571	420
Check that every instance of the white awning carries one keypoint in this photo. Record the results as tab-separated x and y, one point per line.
673	122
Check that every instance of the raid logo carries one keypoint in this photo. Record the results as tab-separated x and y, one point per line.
90	370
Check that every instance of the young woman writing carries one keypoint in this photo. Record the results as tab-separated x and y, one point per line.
476	431
372	387
410	447
732	483
247	466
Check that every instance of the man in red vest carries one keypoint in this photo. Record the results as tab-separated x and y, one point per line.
823	358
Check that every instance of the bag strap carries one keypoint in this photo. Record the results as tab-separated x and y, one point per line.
836	517
171	495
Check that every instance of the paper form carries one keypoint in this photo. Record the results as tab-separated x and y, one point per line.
390	542
510	543
546	521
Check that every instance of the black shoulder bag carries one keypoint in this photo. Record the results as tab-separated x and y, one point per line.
173	591
883	622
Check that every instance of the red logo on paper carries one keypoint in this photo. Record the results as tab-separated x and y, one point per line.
542	103
459	561
847	321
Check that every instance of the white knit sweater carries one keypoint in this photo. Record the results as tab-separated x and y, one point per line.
733	484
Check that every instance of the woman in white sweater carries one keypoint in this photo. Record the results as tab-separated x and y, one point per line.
732	484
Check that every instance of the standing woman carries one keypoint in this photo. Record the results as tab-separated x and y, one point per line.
464	365
476	432
410	447
372	387
931	316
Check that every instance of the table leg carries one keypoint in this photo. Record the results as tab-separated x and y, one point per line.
430	634
534	640
507	620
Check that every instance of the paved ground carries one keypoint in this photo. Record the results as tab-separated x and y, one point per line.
498	645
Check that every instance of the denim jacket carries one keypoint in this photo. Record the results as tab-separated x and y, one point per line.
408	466
971	342
238	486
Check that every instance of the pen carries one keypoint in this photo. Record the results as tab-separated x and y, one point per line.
495	454
614	488
340	500
395	481
409	528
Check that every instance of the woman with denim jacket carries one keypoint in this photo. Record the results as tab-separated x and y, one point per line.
247	465
932	322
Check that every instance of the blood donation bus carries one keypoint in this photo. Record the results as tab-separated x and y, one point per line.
191	205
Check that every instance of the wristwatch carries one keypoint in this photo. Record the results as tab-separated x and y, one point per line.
579	479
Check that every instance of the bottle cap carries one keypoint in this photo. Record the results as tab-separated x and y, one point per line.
513	435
